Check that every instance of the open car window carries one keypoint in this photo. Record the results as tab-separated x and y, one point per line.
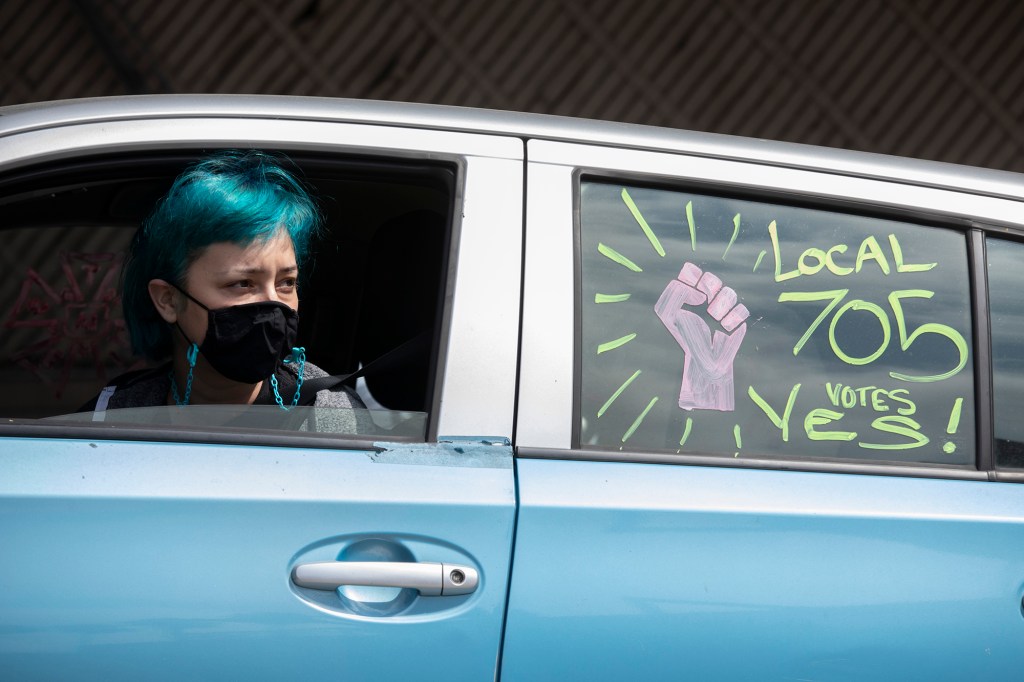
374	282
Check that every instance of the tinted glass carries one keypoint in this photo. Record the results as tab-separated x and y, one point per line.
1006	282
827	334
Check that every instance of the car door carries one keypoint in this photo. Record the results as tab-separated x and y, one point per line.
141	550
754	430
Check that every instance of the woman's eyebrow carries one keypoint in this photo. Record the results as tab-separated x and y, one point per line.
259	271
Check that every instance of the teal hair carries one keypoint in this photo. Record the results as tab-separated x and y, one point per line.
231	196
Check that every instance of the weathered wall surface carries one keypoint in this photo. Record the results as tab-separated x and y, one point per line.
936	79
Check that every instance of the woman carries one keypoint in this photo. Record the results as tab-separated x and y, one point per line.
210	283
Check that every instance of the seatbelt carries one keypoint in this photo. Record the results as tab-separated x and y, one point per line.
395	356
99	411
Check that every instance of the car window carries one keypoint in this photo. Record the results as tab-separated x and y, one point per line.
375	283
742	328
1007	327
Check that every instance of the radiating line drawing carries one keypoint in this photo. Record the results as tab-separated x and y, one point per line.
639	420
735	233
686	431
618	392
612	345
651	237
692	226
610	298
708	356
612	254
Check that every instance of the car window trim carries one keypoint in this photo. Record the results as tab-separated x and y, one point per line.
93	431
984	408
813	465
426	164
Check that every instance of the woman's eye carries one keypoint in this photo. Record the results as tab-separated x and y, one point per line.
287	283
241	284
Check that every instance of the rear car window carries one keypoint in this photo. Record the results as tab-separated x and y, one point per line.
740	328
1005	281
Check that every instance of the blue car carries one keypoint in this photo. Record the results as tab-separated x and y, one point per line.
640	404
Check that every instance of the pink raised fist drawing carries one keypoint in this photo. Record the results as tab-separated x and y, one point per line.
708	359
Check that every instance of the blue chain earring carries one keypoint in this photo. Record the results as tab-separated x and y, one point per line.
191	355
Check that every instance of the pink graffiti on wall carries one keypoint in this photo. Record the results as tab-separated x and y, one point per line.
78	320
707	359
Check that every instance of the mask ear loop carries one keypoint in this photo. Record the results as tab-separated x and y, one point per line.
297	355
191	355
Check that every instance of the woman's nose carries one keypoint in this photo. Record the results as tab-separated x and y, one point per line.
269	292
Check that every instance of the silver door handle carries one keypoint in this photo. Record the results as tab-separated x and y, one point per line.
431	579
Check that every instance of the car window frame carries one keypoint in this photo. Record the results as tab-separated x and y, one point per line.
280	136
767	197
968	222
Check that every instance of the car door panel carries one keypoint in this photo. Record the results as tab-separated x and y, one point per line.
168	560
746	564
131	553
719	573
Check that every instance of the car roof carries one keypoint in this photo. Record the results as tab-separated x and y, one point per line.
983	181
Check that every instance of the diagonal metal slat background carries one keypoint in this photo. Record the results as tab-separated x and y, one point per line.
935	79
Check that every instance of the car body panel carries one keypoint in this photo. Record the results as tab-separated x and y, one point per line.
165	561
652	571
162	559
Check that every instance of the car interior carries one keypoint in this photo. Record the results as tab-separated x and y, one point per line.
375	280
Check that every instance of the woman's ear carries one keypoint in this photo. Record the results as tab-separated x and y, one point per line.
163	296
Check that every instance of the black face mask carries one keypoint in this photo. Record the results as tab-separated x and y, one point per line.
246	342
